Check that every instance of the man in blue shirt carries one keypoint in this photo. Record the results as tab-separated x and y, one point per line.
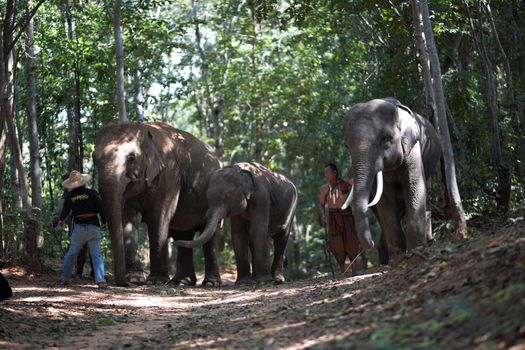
86	206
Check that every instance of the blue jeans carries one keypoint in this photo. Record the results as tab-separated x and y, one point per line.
81	234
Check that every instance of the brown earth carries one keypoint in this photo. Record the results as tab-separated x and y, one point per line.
466	295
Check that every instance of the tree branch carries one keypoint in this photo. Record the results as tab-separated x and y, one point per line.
22	24
108	9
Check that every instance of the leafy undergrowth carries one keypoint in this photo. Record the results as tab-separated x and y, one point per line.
468	294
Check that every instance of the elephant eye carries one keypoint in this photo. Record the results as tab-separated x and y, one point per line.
130	158
386	139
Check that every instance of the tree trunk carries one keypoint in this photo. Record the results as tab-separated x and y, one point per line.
75	150
421	46
504	183
453	197
138	91
2	169
213	113
257	108
29	235
34	146
516	41
119	57
77	124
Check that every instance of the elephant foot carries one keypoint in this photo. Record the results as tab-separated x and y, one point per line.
244	281
136	278
183	281
211	282
279	278
415	257
264	279
396	258
157	280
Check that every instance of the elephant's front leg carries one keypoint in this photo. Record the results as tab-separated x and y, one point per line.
212	276
389	211
185	270
134	270
415	196
241	248
159	257
159	218
259	238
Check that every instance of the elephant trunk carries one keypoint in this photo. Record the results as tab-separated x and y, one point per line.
363	180
111	193
213	219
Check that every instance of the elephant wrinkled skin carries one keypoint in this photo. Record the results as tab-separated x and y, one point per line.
261	205
163	173
384	136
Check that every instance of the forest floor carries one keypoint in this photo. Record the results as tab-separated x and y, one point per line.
468	294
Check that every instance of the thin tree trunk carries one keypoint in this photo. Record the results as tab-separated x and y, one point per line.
30	237
138	91
119	57
7	43
259	122
2	171
441	123
517	105
5	109
75	149
424	60
213	111
34	144
504	183
77	124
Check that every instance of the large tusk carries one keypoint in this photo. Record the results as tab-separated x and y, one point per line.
348	200
379	190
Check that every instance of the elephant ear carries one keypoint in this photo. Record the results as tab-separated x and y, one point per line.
155	163
248	181
409	129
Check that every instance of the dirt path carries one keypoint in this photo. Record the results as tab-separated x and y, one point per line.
467	295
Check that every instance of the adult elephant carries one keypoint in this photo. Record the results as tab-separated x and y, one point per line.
261	204
402	148
163	173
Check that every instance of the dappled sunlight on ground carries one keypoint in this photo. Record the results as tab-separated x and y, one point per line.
467	295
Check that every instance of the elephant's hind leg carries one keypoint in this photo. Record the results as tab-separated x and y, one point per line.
279	246
134	270
184	268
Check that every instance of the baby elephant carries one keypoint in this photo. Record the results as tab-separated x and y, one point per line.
261	204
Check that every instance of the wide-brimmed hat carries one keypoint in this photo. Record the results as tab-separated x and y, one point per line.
76	179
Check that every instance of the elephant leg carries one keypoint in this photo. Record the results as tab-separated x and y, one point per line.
185	270
212	276
382	250
159	257
389	216
134	271
279	246
158	254
158	227
259	238
241	247
81	261
415	197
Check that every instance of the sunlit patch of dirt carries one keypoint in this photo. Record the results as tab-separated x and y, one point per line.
468	294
